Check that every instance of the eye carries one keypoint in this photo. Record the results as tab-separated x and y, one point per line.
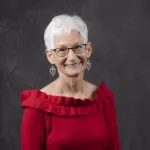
63	49
77	46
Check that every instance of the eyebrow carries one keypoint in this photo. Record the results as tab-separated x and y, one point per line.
72	45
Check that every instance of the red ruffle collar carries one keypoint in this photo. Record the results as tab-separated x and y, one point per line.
62	105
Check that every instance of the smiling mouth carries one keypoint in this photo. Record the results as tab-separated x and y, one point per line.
73	65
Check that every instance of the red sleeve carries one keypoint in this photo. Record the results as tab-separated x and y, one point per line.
32	130
111	119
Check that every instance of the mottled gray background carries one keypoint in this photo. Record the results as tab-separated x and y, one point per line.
120	33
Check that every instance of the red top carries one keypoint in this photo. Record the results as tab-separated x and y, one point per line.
53	122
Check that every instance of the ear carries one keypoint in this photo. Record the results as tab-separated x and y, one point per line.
89	49
49	55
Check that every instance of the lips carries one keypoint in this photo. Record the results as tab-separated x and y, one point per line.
73	65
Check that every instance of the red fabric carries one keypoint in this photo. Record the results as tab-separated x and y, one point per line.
51	122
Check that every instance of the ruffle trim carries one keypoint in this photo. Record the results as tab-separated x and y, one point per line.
62	105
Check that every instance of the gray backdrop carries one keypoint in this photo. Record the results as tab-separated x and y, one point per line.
119	31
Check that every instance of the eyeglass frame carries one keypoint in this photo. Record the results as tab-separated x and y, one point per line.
68	48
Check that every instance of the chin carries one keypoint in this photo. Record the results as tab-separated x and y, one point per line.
74	73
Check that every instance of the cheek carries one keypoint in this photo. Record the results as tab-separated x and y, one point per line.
60	62
83	59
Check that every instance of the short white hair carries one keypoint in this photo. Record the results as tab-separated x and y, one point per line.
63	24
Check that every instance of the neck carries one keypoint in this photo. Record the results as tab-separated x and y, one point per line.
72	85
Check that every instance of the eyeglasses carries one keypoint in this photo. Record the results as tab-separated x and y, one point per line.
63	51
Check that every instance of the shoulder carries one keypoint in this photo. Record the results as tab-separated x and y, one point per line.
45	87
90	89
33	112
106	94
32	116
107	90
90	86
49	88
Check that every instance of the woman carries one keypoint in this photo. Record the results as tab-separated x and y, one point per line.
68	113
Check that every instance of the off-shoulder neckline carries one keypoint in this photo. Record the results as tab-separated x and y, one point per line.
63	105
95	93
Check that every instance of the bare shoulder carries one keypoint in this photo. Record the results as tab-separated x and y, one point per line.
48	89
44	89
90	86
90	89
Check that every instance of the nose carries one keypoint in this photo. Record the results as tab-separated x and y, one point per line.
71	55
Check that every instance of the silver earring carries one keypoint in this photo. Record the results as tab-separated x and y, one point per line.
88	65
52	70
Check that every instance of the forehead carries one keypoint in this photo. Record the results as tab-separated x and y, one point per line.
69	39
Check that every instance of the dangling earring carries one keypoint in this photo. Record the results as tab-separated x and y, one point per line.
52	70
88	65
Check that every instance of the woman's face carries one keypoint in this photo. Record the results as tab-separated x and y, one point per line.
72	64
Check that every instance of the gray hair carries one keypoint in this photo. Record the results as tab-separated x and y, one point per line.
63	24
